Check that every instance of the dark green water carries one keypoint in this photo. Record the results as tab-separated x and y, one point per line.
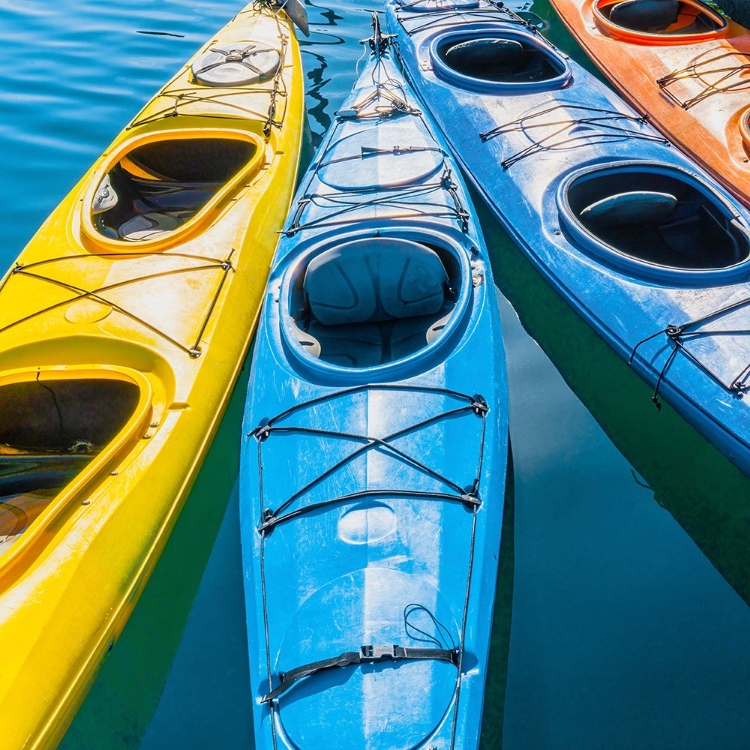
631	566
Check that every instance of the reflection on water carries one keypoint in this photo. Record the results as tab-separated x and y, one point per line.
623	633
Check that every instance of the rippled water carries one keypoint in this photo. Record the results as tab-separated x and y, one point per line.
624	632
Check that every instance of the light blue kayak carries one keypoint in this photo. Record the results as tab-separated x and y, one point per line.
375	446
643	244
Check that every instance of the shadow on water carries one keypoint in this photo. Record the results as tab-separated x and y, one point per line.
315	73
706	494
497	669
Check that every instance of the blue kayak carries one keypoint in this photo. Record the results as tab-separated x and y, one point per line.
375	445
642	243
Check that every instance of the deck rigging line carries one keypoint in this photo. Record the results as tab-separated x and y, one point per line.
186	96
401	198
384	86
680	335
397	198
476	404
728	77
98	294
602	126
438	17
396	105
269	518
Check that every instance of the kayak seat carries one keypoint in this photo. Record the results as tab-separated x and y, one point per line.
136	209
147	226
645	15
348	345
657	215
628	209
369	302
158	187
372	281
372	344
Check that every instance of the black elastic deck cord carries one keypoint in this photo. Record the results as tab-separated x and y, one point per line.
366	655
601	122
677	335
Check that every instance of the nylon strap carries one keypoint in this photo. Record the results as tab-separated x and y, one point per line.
366	654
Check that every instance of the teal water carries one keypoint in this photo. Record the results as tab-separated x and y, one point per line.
630	627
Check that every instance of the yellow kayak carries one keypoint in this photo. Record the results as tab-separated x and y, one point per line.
123	325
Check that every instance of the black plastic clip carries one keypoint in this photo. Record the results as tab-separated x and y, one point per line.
376	653
674	332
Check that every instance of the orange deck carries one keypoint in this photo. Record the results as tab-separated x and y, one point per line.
702	102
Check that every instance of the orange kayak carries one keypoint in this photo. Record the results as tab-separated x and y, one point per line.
685	66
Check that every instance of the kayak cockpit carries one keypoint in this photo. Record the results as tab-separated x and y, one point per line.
56	425
427	6
369	302
498	58
673	21
157	187
656	218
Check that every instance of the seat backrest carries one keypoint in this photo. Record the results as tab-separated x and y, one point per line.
373	280
629	209
645	15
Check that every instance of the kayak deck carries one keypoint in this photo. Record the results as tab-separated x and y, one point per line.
688	79
644	246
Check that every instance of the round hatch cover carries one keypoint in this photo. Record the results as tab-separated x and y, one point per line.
386	705
380	157
236	64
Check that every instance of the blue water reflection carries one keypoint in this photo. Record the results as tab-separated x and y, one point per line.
624	635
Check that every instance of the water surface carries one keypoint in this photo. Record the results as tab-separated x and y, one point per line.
629	529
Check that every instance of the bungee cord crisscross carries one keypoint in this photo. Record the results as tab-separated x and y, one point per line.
602	126
182	98
98	294
410	201
271	517
446	649
727	77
